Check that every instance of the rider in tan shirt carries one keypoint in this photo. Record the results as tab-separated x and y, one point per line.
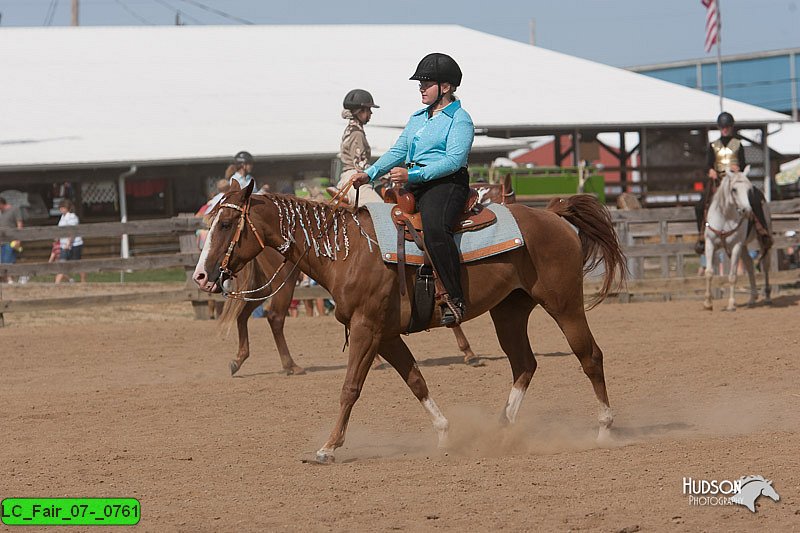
355	151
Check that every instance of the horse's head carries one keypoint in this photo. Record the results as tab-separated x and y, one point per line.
231	242
736	187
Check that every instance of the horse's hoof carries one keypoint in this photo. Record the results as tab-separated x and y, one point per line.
325	458
295	371
730	309
768	301
234	366
474	362
604	437
708	307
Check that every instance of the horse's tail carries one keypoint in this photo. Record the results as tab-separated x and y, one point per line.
246	279
598	239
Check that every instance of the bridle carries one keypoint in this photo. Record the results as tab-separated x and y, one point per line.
224	271
245	217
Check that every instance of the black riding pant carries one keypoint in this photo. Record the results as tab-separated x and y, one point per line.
440	202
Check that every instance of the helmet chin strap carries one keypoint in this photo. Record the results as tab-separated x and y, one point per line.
439	96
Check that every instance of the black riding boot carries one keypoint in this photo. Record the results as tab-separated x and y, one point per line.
453	312
699	211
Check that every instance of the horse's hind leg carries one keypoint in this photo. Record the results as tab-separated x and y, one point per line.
510	319
276	315
572	321
463	344
765	264
399	356
751	276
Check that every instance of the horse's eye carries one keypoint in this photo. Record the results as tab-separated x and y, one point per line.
225	225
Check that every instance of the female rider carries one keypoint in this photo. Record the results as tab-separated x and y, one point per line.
433	151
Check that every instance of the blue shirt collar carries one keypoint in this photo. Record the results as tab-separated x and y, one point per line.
450	110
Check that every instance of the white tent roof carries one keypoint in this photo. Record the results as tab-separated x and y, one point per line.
105	95
786	138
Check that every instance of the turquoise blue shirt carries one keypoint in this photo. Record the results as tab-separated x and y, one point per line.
440	145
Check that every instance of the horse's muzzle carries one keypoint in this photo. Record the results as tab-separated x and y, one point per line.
207	283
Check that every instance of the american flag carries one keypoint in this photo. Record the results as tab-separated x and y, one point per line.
712	23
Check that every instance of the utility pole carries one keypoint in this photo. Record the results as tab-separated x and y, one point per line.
178	19
532	27
75	13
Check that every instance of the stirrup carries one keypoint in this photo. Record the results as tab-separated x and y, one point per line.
453	311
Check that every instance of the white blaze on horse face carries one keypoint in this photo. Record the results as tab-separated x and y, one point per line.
201	263
440	423
514	402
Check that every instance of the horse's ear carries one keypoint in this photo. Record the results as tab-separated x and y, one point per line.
235	186
248	190
746	170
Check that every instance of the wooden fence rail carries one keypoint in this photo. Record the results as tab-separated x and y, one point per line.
176	225
656	240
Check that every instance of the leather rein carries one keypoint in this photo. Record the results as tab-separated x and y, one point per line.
245	217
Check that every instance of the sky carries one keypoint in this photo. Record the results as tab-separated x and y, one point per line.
616	32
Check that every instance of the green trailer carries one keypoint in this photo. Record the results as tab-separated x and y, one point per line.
539	184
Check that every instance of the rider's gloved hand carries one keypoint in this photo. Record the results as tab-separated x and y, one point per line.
359	179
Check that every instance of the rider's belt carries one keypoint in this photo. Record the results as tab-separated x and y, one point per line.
412	164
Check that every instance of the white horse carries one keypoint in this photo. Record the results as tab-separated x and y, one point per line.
728	227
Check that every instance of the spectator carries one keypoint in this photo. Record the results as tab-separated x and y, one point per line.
72	246
9	218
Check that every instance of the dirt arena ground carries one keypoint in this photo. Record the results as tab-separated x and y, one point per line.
137	402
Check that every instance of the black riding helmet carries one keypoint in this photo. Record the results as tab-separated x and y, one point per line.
440	68
243	158
358	98
725	119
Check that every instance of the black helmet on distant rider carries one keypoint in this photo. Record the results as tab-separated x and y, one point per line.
243	158
725	120
358	98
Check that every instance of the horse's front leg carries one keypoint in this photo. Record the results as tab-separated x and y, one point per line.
244	338
363	345
708	304
736	253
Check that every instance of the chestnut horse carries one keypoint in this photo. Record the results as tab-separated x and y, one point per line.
337	248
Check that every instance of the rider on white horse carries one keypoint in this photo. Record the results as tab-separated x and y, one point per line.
727	154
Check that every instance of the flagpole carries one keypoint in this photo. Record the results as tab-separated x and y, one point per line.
719	56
